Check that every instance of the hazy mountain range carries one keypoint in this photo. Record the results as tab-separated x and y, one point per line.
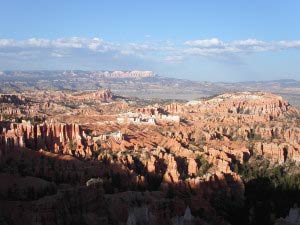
143	84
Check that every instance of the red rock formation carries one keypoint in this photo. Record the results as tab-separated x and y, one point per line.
54	137
101	95
277	153
191	160
264	105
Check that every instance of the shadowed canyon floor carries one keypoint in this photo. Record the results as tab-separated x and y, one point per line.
92	157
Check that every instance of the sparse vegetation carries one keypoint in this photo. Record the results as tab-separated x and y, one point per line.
271	190
204	165
72	146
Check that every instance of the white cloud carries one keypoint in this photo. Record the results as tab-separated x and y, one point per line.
161	51
74	42
34	42
206	43
248	42
174	58
289	44
6	42
95	43
215	47
59	54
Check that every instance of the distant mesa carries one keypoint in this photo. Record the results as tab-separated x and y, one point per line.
110	74
125	74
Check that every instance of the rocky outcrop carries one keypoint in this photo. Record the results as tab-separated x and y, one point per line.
172	174
54	137
13	99
265	105
277	153
100	96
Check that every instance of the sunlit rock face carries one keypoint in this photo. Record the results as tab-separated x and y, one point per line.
54	137
100	95
259	104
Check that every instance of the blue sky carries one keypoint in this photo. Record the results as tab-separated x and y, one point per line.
199	40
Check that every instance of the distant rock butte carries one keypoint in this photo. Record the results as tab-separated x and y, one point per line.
248	103
124	74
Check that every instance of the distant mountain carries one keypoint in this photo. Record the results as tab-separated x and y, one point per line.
283	82
124	74
142	84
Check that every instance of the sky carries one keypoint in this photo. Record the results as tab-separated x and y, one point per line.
232	40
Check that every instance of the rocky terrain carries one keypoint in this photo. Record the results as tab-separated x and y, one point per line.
95	157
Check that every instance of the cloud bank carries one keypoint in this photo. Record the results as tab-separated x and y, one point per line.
215	46
212	46
94	52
